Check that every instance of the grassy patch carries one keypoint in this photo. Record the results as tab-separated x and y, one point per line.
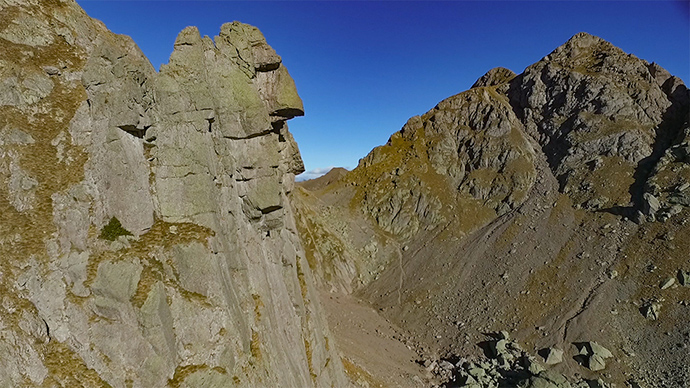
67	369
113	230
181	373
258	304
310	363
302	281
359	376
255	347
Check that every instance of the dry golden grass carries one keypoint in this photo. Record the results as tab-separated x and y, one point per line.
255	348
359	376
67	369
310	363
182	372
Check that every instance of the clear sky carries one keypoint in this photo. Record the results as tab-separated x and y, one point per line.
363	68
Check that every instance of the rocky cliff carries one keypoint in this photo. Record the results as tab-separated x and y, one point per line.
550	205
146	238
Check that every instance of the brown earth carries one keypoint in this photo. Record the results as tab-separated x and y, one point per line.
551	205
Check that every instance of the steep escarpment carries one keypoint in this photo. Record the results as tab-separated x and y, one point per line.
548	205
146	235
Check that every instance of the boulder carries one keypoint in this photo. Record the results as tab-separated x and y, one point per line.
553	356
532	365
596	362
650	310
684	278
667	283
650	205
600	350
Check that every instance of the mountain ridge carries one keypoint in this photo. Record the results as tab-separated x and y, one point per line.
526	232
458	243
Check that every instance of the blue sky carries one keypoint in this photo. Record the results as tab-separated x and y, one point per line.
363	68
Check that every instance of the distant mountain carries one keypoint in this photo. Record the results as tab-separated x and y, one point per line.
324	180
552	205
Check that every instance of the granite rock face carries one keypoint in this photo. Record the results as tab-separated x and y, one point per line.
204	282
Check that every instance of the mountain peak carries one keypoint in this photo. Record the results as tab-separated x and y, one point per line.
585	37
583	45
495	76
583	40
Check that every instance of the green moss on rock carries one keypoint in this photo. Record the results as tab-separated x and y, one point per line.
113	230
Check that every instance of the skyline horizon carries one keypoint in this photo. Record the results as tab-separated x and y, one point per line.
363	71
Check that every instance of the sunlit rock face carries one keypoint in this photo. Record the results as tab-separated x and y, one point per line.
146	236
551	205
603	118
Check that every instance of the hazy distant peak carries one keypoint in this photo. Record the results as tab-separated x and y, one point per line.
324	180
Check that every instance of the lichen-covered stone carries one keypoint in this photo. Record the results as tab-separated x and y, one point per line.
210	285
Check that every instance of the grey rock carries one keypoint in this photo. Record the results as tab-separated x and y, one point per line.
476	372
547	379
469	382
34	326
15	136
679	199
651	310
598	383
117	281
445	365
495	76
22	188
583	349
196	161
684	278
74	266
499	347
23	87
533	366
553	356
596	362
667	283
650	205
599	350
